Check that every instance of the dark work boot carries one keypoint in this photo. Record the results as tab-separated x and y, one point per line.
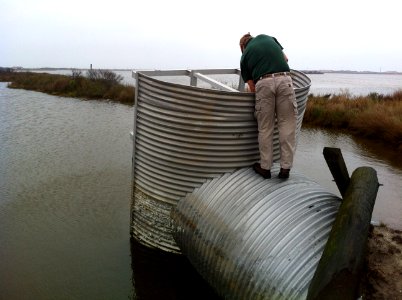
264	173
284	173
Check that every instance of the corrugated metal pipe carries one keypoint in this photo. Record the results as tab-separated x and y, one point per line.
252	238
185	136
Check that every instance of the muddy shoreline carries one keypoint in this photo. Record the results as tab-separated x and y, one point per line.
383	274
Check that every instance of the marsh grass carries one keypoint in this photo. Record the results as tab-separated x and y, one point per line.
373	116
106	87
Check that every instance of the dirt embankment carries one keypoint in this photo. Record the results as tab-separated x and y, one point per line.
384	265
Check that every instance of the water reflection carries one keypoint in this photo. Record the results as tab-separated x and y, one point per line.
356	152
160	275
379	153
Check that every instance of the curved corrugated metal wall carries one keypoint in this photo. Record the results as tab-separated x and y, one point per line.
183	136
252	238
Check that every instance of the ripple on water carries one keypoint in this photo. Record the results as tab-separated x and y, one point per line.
65	168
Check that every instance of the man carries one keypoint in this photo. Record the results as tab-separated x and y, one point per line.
265	69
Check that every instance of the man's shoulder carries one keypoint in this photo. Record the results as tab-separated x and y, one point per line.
262	39
264	36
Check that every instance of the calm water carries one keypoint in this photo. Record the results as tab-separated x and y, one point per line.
64	197
355	84
65	170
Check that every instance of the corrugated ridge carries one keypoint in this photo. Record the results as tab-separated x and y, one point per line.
195	133
255	239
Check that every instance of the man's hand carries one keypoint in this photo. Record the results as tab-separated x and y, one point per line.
251	86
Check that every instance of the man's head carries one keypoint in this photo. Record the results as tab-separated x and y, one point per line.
244	41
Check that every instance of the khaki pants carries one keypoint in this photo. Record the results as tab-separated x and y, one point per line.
275	97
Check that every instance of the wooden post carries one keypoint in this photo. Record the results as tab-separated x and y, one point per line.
337	166
339	271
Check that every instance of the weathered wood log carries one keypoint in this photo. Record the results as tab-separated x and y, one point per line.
337	166
339	271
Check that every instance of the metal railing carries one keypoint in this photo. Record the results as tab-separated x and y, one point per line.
201	74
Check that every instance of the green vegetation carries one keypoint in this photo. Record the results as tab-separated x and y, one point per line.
374	116
97	84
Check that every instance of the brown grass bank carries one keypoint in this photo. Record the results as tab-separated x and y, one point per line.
374	116
100	84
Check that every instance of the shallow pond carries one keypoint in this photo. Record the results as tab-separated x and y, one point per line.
65	189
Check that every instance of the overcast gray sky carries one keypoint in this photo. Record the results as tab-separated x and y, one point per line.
172	34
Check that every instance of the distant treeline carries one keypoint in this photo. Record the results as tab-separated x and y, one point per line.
95	84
